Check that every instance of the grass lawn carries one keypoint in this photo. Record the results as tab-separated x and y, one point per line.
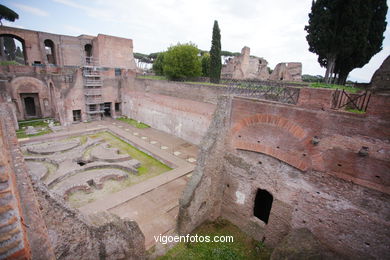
150	167
243	247
356	111
22	134
133	122
152	77
9	62
334	86
38	124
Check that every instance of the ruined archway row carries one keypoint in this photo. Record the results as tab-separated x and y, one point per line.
41	48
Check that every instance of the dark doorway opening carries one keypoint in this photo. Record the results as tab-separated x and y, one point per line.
88	53
29	104
263	204
88	50
107	109
117	107
76	115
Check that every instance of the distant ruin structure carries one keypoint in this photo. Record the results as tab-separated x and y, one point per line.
247	67
380	81
290	71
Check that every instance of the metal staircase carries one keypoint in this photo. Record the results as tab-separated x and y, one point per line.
93	89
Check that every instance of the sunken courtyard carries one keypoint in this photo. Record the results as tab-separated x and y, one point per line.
287	164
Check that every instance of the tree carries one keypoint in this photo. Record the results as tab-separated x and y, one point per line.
215	55
9	47
345	34
182	62
7	14
158	64
205	64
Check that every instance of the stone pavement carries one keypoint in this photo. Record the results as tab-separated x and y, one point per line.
154	202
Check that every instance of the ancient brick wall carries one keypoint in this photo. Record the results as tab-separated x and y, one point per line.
310	161
112	52
181	109
23	231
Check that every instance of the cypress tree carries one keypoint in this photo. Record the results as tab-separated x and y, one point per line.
215	55
345	34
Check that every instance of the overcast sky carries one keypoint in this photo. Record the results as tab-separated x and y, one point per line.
272	29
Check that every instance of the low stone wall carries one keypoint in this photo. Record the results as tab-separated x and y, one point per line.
103	236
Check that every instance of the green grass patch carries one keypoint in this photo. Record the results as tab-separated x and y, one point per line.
356	111
243	247
349	89
150	167
155	77
204	83
10	62
22	134
133	122
40	124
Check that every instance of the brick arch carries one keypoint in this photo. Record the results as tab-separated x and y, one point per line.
280	122
12	34
28	84
32	85
293	132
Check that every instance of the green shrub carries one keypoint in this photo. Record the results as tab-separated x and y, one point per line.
182	62
158	64
205	65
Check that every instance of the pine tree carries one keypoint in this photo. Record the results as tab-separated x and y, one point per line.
7	14
215	55
345	34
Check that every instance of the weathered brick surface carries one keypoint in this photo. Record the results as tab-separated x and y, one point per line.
328	188
341	157
380	81
33	223
69	51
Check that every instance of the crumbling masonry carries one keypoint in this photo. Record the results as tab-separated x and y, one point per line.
269	167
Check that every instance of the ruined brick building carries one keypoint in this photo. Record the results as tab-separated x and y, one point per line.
270	164
247	67
67	78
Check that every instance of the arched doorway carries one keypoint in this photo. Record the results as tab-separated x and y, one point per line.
50	52
12	48
88	53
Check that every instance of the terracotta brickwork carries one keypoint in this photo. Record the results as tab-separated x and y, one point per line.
309	160
301	125
70	51
23	232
